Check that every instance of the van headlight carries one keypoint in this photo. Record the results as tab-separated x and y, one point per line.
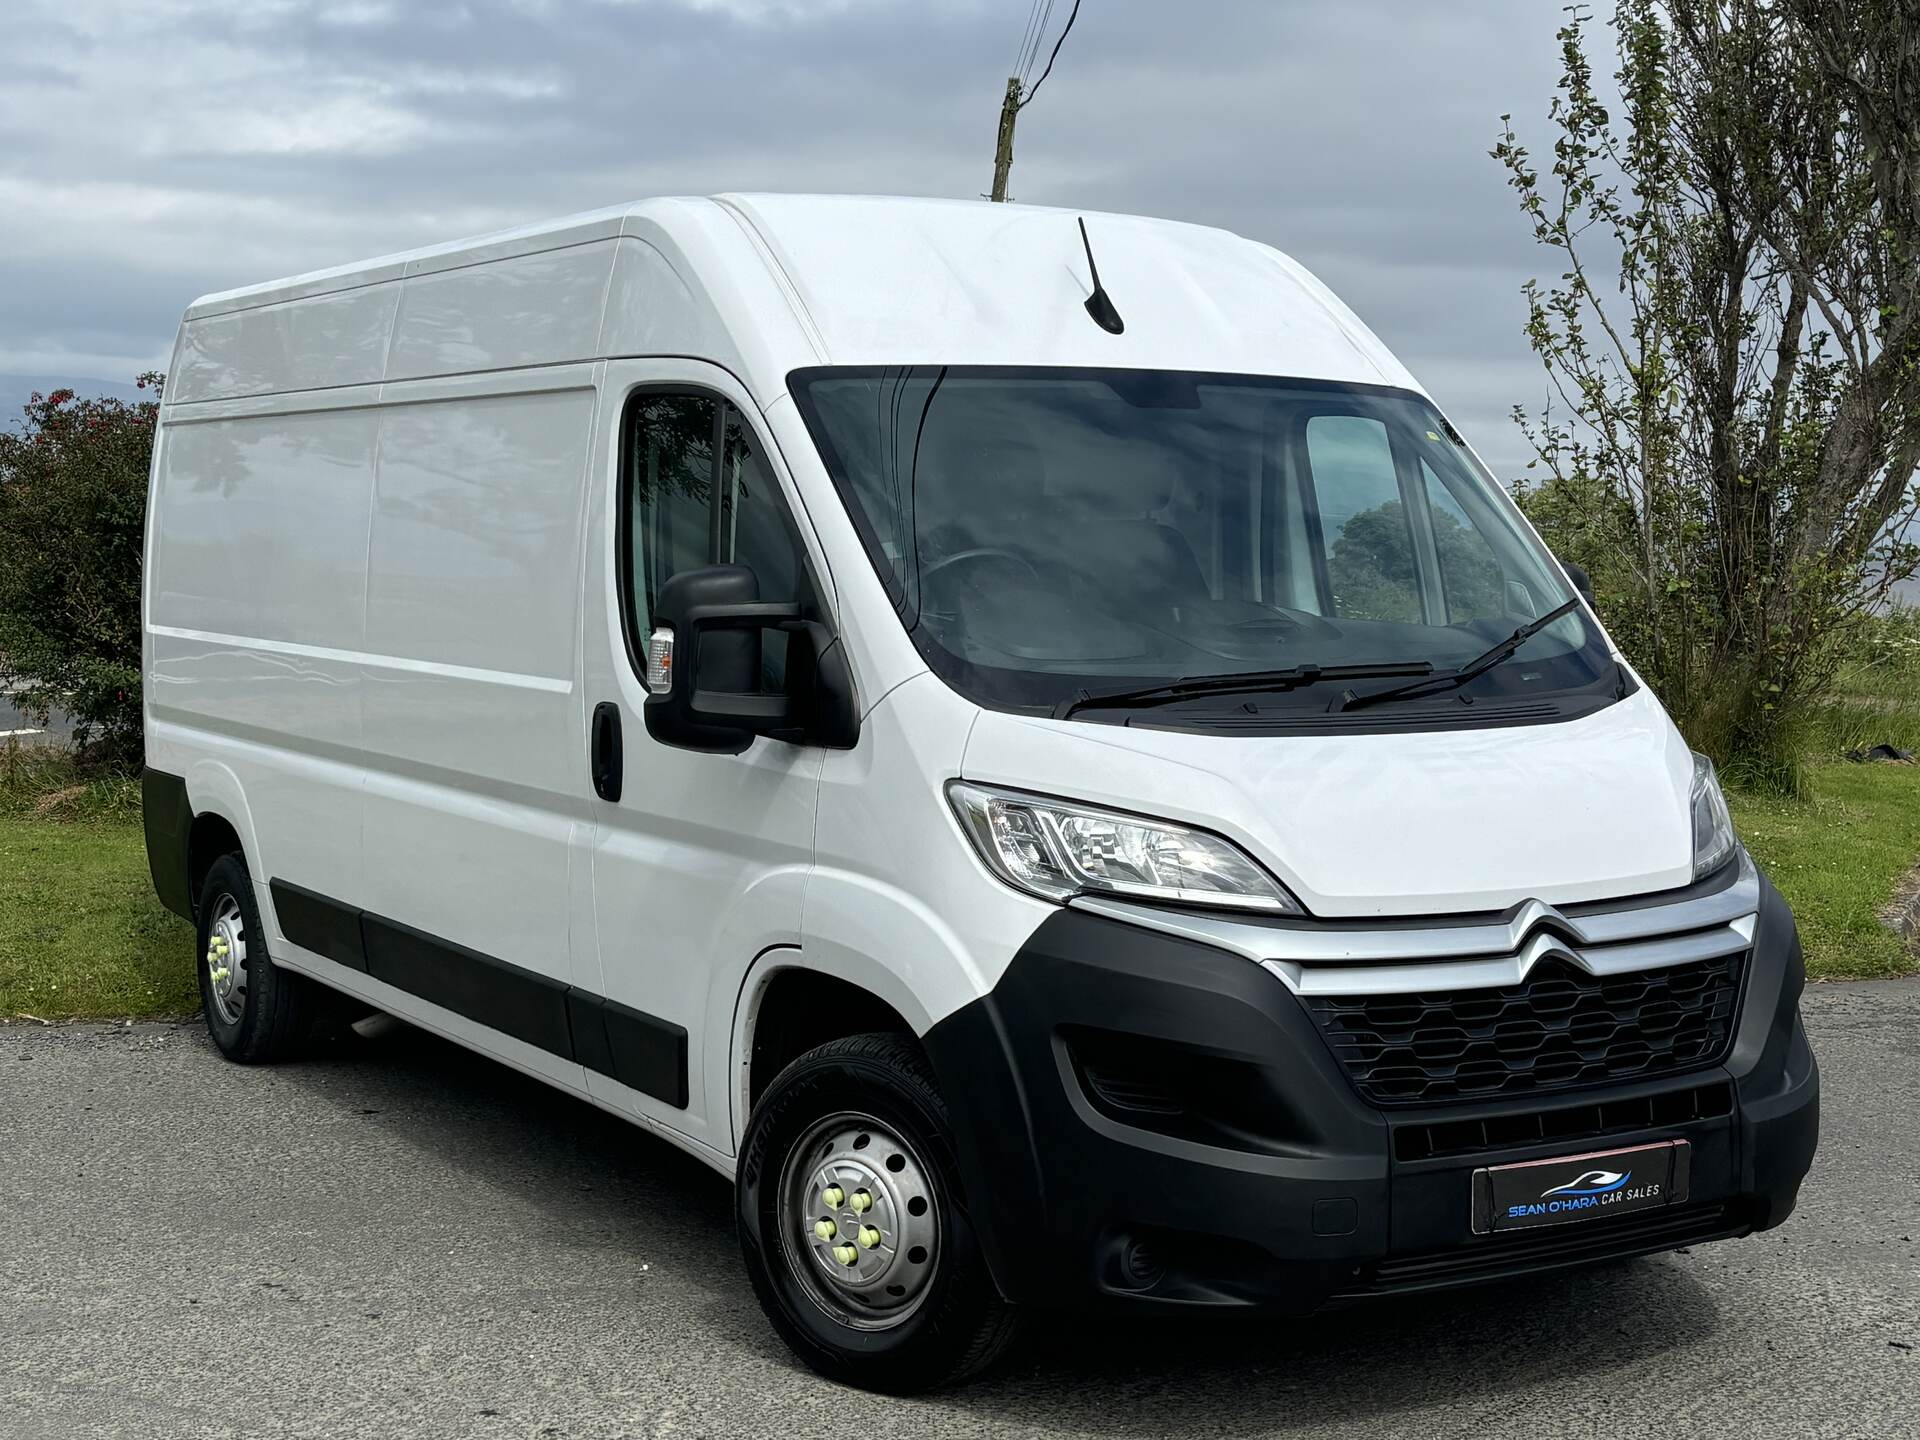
1713	837
1056	850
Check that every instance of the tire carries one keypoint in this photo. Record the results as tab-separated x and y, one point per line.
867	1101
256	1012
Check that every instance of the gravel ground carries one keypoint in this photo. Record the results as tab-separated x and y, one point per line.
401	1240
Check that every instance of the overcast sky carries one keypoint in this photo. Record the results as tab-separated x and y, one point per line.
153	150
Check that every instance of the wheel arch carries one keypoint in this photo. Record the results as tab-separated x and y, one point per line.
789	1004
221	823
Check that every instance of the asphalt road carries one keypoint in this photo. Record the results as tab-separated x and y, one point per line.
402	1240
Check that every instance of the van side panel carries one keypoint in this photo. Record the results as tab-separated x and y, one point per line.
311	344
255	592
263	528
474	737
537	309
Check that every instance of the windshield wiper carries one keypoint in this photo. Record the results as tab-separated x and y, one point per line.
1245	682
1472	670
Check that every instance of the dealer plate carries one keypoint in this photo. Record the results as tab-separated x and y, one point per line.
1572	1188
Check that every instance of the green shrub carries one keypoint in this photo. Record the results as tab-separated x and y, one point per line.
73	504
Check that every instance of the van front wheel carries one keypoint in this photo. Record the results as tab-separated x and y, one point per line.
853	1226
256	1012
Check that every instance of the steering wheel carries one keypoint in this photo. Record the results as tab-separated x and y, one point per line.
979	552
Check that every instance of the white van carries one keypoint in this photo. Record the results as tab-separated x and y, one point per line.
1072	785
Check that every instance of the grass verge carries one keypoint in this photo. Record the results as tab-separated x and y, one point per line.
82	936
1838	857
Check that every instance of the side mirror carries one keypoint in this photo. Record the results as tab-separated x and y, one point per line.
1582	582
704	671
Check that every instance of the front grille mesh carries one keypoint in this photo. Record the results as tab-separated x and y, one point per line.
1557	1029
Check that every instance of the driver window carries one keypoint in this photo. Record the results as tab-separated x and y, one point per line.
692	503
670	484
754	532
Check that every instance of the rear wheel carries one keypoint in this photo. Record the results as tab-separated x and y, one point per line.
854	1226
256	1012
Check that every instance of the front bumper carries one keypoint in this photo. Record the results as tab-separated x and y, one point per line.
1151	1121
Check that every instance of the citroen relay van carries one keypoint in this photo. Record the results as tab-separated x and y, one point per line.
1024	739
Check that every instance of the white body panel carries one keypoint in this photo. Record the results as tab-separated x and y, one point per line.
701	867
1407	824
380	610
478	525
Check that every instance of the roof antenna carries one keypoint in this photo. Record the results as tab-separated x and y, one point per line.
1098	305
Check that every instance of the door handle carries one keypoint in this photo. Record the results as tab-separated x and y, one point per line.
604	751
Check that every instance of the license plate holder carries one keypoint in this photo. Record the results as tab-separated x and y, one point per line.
1570	1189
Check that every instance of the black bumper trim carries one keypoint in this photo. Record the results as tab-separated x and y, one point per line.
1499	1257
1125	1091
167	817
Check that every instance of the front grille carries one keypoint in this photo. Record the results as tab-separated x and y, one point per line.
1511	1129
1499	1257
1558	1029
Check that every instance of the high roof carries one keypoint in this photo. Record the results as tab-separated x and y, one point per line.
768	283
887	280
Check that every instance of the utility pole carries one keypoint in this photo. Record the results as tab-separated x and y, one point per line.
1003	149
1019	93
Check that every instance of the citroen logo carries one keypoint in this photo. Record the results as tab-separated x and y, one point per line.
1541	942
1531	915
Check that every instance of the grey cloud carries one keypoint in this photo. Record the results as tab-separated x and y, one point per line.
152	151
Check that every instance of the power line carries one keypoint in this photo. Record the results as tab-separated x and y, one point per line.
1026	38
1039	38
1065	31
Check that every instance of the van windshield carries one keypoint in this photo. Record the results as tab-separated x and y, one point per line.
1050	533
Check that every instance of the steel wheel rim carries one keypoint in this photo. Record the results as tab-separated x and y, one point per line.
225	960
861	1177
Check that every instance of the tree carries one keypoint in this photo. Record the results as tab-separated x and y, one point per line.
73	504
1374	577
1733	345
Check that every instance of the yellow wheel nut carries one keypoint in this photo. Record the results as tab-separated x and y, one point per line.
845	1254
834	1196
825	1229
861	1202
869	1237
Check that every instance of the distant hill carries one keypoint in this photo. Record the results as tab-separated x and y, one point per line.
16	390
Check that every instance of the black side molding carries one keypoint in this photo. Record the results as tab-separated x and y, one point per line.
649	1054
521	1003
639	1050
169	821
318	924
